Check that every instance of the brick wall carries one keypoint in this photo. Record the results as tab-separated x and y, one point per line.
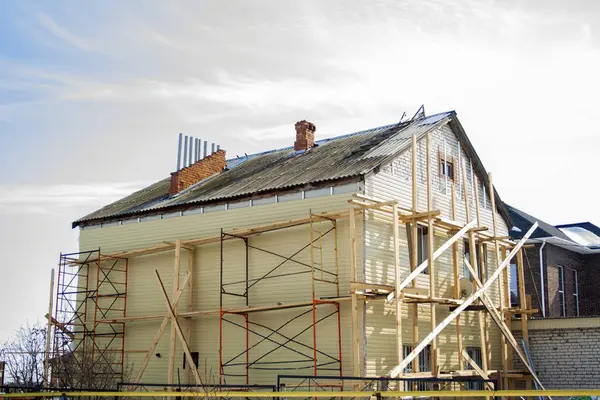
565	358
588	272
208	166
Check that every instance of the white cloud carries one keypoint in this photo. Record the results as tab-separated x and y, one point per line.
63	33
43	199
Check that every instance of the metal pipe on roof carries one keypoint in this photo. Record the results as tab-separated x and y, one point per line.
212	147
185	146
205	148
198	144
190	149
218	147
179	152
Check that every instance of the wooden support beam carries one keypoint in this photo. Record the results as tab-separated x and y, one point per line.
174	321
374	287
455	277
414	247
477	369
501	282
60	326
414	354
430	244
396	244
190	300
172	341
497	318
159	333
354	277
411	277
46	376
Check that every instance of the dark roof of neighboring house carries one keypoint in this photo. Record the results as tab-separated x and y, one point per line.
524	221
333	159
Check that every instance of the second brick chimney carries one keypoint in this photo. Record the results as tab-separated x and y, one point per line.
305	135
202	169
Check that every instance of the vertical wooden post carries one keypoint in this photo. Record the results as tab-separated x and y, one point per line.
483	327
430	244
49	332
190	302
523	304
172	341
354	277
398	278
501	280
455	272
415	251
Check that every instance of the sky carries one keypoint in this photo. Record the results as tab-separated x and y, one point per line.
93	95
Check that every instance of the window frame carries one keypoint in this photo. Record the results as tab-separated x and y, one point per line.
561	290
443	163
422	246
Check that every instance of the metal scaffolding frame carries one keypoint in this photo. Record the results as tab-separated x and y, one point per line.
90	284
310	356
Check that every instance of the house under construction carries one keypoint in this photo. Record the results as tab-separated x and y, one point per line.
380	253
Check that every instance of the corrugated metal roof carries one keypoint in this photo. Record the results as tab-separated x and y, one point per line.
332	159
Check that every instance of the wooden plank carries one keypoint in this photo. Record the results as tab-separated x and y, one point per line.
414	249
455	275
174	321
418	270
190	300
396	244
477	369
354	277
522	297
159	333
503	281
172	341
497	318
414	354
61	326
46	376
430	244
370	286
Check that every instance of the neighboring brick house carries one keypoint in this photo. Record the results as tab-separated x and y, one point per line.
562	267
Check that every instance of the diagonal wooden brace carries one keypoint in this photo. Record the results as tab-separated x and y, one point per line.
397	370
160	332
175	322
477	369
497	318
437	253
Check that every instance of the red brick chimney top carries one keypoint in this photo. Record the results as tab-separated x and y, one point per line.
202	169
305	135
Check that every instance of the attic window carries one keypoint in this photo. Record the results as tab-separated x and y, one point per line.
446	168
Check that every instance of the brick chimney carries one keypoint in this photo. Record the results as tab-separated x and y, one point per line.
305	135
202	169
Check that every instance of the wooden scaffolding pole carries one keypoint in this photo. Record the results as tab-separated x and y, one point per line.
159	334
49	332
174	322
430	244
354	277
467	302
501	282
172	342
414	250
481	317
398	291
523	305
191	254
455	273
